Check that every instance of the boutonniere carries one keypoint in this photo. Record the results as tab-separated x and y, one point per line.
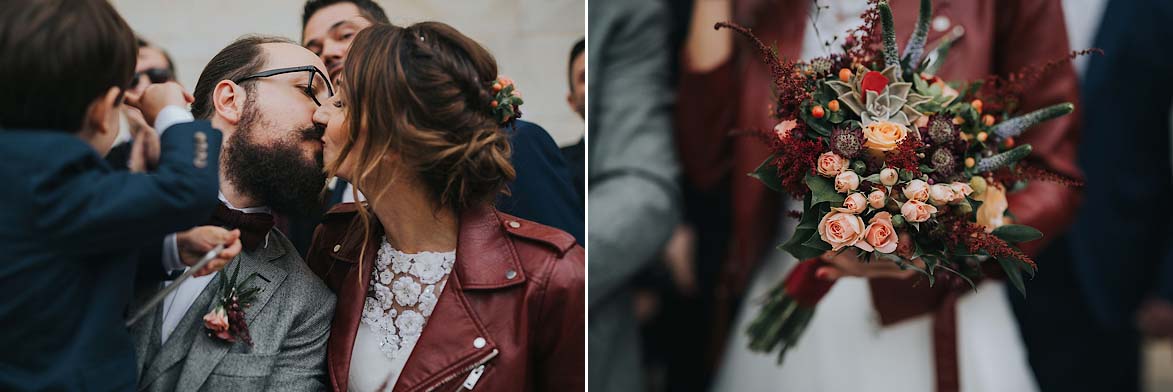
226	320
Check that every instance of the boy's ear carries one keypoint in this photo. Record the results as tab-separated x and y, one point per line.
102	114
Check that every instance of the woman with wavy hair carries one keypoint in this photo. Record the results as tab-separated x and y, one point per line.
437	290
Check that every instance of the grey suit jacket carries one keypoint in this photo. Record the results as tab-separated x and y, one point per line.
633	189
289	322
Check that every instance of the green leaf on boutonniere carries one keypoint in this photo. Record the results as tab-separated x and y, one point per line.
1017	233
823	190
767	173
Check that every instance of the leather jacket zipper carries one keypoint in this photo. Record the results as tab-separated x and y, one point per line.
474	372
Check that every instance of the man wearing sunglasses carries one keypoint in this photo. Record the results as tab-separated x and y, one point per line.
262	93
136	150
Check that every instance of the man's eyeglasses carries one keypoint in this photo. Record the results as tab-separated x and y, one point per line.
154	75
311	72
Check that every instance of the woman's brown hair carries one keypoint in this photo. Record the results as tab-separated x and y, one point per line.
423	93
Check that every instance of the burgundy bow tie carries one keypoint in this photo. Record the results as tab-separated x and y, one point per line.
253	226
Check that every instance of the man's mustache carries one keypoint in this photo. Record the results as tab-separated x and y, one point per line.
313	133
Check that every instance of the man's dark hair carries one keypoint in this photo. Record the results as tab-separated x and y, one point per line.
142	43
576	51
58	57
367	8
241	58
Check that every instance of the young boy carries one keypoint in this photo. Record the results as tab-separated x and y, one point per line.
69	224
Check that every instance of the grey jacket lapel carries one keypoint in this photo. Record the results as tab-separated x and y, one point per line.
146	335
206	352
186	331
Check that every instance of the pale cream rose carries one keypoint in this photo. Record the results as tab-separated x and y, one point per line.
854	204
879	235
917	211
831	164
941	194
992	212
783	128
876	199
922	121
883	135
961	190
889	176
846	182
841	229
917	190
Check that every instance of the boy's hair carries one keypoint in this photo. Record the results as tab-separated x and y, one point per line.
57	57
373	12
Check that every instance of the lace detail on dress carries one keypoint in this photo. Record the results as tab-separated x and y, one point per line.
403	292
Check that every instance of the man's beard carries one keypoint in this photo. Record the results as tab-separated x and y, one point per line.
277	175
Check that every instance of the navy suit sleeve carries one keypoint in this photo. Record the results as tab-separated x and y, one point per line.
543	191
97	210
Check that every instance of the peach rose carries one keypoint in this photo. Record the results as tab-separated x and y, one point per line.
879	235
941	194
783	128
854	204
841	229
876	199
993	208
831	164
889	176
846	182
217	322
961	190
884	135
917	211
917	190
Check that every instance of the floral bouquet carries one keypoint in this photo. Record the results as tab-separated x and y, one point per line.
894	165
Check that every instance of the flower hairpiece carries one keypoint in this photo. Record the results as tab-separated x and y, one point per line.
506	104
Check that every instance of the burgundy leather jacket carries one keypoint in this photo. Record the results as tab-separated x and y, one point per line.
510	319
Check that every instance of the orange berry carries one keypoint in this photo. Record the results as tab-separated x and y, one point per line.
818	112
982	136
493	104
970	162
957	120
977	105
496	87
988	120
844	74
833	105
1009	142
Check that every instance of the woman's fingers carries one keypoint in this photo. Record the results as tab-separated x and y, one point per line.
846	263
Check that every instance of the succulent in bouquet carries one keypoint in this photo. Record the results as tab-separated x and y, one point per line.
893	164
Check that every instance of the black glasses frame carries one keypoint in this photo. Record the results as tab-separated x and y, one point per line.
309	88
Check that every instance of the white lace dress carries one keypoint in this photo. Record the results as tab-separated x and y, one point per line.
403	292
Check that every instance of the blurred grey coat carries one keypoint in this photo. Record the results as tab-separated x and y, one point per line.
289	321
634	198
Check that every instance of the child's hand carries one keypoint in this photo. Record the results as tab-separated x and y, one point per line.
194	243
158	96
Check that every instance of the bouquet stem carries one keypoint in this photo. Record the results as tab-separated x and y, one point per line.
787	309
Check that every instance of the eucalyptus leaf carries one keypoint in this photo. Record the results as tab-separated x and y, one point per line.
1017	233
767	173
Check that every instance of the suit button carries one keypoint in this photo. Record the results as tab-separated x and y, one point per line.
478	342
336	248
510	274
514	224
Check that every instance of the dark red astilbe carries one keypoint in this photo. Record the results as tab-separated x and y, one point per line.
796	156
791	83
1028	171
795	214
974	238
236	325
1000	93
863	43
904	156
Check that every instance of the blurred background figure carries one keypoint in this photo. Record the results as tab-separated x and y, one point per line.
1107	285
152	66
633	192
575	153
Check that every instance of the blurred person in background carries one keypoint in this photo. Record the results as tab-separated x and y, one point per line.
633	193
152	66
575	154
1108	282
725	86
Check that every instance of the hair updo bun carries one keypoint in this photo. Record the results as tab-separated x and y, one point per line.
424	93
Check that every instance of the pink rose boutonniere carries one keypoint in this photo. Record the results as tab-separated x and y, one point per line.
226	320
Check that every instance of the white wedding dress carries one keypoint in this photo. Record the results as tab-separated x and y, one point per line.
844	349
